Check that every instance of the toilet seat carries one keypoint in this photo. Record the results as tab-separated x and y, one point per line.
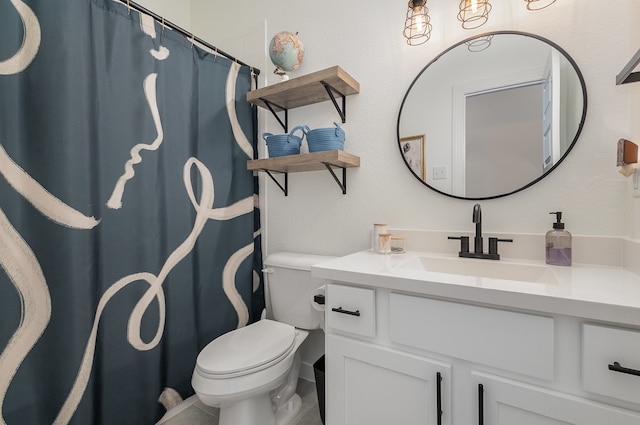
246	350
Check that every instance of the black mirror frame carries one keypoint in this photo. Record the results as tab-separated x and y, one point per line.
575	139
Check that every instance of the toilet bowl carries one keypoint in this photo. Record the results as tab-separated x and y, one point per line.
251	373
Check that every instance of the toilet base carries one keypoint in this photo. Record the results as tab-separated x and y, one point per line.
252	411
259	410
289	411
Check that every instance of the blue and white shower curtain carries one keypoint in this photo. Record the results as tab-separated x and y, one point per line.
129	229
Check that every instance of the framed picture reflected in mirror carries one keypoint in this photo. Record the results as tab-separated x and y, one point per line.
413	152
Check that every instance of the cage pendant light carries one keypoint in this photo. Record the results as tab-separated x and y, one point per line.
417	27
474	13
538	4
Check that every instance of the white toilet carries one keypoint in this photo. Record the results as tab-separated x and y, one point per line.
251	373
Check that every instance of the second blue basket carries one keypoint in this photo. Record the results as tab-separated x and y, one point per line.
324	139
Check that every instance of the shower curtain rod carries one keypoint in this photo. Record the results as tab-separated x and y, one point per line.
186	33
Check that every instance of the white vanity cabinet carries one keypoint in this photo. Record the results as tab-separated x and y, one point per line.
411	359
370	383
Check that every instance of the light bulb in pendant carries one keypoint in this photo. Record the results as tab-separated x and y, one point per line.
473	13
418	23
417	27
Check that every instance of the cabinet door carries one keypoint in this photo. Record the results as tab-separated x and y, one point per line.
506	402
373	385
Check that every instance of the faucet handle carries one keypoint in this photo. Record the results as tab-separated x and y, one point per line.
493	245
464	242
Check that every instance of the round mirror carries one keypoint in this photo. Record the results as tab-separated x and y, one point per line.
492	115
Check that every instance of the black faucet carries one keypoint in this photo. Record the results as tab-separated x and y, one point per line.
478	249
477	219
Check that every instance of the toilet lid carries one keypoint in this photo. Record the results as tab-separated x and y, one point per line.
250	347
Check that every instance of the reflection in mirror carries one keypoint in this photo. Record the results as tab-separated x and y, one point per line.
492	122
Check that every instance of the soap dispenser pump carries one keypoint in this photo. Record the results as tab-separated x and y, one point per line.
558	243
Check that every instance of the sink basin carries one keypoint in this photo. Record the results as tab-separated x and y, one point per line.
482	268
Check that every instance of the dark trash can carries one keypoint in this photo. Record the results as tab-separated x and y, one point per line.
318	372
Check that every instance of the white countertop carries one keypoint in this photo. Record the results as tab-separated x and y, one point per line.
603	293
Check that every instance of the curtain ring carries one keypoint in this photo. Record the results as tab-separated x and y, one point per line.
129	7
163	24
193	39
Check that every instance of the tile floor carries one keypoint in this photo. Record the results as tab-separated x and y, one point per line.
193	412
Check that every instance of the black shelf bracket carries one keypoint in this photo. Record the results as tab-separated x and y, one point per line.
343	183
285	188
272	106
627	75
330	90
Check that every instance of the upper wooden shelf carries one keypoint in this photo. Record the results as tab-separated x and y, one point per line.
305	90
305	162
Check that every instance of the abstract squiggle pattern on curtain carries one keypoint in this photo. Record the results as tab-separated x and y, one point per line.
204	211
241	138
30	42
23	267
115	201
16	258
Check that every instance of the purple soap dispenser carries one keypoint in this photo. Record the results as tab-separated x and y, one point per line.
558	243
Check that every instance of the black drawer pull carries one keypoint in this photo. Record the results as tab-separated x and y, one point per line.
617	368
480	404
351	313
439	397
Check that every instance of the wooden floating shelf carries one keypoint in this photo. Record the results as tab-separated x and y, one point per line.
305	90
306	162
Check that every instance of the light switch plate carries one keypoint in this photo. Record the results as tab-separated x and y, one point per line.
440	173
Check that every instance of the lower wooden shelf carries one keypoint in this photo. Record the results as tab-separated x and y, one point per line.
306	162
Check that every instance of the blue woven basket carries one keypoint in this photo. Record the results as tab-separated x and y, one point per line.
325	139
283	144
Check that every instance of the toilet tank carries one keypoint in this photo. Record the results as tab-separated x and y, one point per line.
289	285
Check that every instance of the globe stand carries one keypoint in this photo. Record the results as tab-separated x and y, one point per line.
283	75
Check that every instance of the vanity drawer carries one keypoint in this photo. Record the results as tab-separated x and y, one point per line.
603	346
351	310
518	342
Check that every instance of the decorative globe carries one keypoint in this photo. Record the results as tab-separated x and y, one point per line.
286	51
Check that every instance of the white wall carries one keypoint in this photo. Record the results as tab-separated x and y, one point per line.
366	40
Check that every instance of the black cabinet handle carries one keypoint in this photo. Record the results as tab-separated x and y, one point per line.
480	404
341	310
439	397
616	367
